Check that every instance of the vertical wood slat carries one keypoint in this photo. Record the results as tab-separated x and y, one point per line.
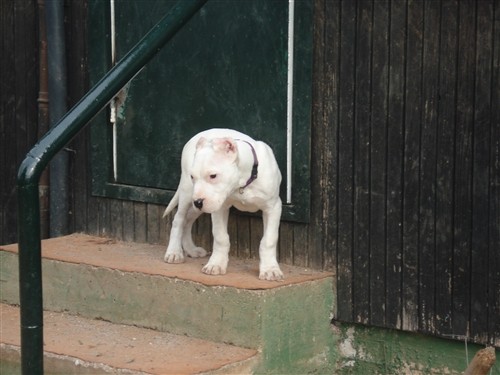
445	167
346	94
18	111
411	169
427	175
480	169
328	130
394	184
7	123
76	26
378	163
463	168
361	190
494	244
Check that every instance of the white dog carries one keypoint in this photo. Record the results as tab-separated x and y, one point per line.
222	168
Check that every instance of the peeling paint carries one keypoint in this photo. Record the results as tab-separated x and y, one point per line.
346	347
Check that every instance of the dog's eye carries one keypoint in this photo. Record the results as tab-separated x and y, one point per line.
213	176
192	177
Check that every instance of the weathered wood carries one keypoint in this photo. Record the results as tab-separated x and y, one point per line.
494	259
413	109
463	168
395	143
378	162
345	193
427	174
361	155
18	102
444	171
482	362
481	170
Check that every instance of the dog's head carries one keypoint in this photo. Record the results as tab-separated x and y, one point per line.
214	173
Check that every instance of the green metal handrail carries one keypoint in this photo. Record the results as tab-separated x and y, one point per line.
30	262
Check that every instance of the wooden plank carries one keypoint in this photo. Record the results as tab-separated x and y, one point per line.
427	183
463	168
301	240
202	233
378	162
494	254
128	221
326	128
116	218
256	233
395	144
243	234
232	230
77	87
362	109
104	219
140	222
346	160
19	147
480	168
444	171
286	244
413	96
8	140
165	225
317	224
153	224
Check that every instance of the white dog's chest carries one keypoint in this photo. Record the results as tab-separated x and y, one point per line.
244	202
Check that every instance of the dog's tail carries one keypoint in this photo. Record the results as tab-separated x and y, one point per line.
172	204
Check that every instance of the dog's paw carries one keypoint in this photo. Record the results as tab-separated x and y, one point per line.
271	274
214	269
196	252
174	258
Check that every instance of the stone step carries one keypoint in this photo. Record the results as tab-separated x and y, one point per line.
76	344
128	283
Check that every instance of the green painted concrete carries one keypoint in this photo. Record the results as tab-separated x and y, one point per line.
371	350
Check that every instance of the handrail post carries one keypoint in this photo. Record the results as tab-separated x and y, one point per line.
30	262
30	279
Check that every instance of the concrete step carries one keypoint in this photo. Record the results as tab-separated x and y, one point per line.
128	283
74	344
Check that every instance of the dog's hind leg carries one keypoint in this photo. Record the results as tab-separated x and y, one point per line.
188	245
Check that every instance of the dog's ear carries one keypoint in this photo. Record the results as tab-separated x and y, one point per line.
201	143
227	146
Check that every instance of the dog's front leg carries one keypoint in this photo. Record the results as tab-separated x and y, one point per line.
174	253
217	264
269	268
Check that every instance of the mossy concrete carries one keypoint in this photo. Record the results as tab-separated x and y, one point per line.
380	351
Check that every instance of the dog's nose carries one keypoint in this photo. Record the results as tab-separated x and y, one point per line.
198	203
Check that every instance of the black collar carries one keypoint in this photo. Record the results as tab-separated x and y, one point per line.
255	167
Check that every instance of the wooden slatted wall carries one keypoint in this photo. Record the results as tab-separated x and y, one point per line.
18	102
412	102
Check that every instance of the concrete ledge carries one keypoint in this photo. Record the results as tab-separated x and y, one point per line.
148	259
